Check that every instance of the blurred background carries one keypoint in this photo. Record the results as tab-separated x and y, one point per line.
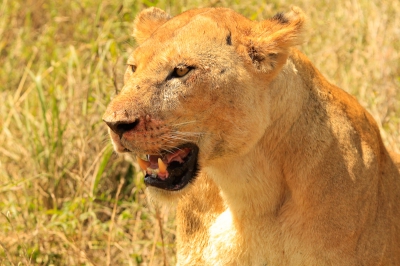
65	197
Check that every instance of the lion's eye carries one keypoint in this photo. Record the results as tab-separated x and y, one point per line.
133	68
180	71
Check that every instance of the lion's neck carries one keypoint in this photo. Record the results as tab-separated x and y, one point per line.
249	184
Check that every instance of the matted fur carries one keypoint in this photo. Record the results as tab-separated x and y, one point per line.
293	170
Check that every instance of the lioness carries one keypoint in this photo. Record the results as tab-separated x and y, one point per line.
269	162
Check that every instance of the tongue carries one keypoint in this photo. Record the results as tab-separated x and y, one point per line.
178	156
153	159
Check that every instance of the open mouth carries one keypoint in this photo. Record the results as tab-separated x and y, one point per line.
171	171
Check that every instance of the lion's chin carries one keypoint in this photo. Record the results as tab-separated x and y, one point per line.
159	196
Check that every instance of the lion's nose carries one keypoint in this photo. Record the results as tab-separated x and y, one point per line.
120	127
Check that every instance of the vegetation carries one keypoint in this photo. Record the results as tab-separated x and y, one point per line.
65	197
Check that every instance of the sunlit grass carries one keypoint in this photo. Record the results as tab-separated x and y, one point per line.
65	197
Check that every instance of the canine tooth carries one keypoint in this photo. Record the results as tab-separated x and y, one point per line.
162	168
142	163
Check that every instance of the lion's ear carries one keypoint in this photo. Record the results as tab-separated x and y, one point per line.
271	39
147	22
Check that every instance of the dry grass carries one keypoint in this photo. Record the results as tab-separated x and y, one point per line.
65	197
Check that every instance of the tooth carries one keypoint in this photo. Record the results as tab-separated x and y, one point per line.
142	163
162	168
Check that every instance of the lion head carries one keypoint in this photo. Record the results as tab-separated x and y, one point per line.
195	90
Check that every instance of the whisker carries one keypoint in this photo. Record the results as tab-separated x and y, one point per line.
178	138
181	136
170	146
174	149
191	133
187	133
167	150
185	123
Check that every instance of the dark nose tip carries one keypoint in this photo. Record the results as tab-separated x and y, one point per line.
120	127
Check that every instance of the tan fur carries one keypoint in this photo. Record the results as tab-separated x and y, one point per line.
293	170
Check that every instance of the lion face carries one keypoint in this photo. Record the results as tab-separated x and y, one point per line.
195	92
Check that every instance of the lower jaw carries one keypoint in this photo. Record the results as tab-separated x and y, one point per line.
149	181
